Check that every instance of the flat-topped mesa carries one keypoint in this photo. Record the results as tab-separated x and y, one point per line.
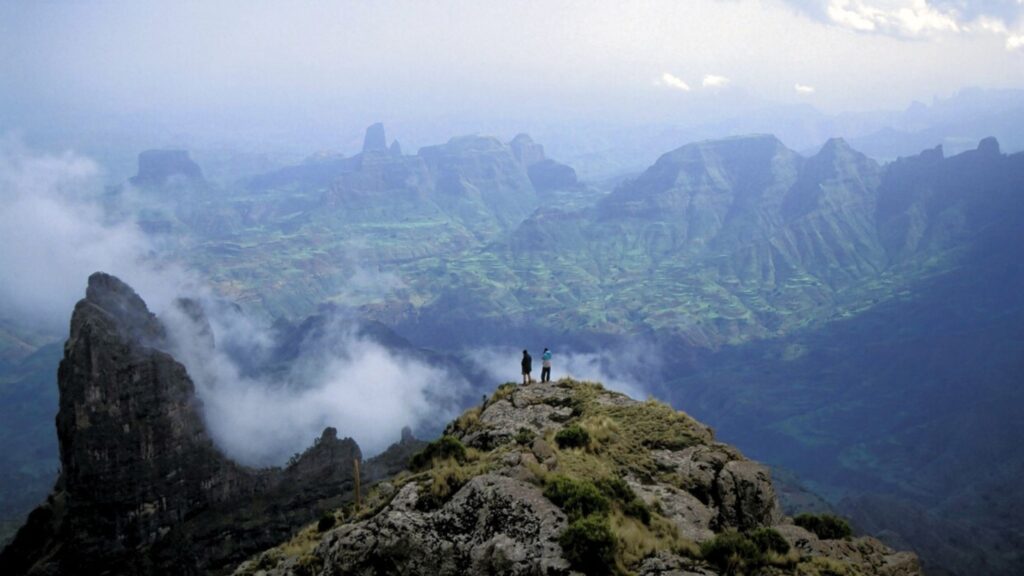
142	488
567	477
160	167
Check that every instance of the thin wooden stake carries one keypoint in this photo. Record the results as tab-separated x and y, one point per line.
359	499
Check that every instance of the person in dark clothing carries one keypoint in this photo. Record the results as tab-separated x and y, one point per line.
545	371
527	367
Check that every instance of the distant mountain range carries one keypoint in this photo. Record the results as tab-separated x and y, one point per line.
857	322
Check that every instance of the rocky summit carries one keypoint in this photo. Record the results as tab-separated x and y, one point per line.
160	167
570	478
142	488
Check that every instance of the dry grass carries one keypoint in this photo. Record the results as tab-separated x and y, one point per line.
469	421
637	541
820	566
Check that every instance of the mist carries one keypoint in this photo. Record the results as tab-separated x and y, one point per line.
299	77
341	379
59	226
55	232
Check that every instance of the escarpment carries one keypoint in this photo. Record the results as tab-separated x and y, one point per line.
142	487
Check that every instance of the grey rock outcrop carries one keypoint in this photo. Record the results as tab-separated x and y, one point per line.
493	525
499	521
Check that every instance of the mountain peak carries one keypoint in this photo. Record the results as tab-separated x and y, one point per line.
526	151
375	139
123	306
158	167
989	146
524	483
142	487
836	145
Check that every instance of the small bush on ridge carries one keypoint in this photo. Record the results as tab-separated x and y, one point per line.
577	498
824	526
589	545
572	437
443	448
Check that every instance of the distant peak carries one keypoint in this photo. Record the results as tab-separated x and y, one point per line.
375	139
757	144
836	144
989	146
936	153
742	140
396	148
525	150
156	167
836	148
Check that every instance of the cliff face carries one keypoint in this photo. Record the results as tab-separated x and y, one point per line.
566	477
142	487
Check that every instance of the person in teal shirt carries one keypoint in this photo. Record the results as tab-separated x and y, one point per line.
545	371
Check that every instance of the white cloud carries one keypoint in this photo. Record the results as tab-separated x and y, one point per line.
676	82
804	89
54	233
364	389
1015	42
714	81
858	19
911	18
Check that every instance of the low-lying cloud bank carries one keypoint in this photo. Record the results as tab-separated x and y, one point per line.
341	378
54	232
59	225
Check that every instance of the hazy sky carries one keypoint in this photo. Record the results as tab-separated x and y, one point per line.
257	62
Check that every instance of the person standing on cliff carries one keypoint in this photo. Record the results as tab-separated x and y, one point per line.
527	364
545	371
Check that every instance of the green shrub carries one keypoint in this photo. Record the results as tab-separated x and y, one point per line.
326	522
524	437
616	488
824	526
769	540
577	498
589	545
637	509
572	437
732	553
441	449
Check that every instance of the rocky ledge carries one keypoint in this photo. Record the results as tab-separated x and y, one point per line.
569	478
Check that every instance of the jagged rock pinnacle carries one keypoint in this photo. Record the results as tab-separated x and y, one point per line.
375	139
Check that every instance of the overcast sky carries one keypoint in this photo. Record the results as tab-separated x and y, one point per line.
256	61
